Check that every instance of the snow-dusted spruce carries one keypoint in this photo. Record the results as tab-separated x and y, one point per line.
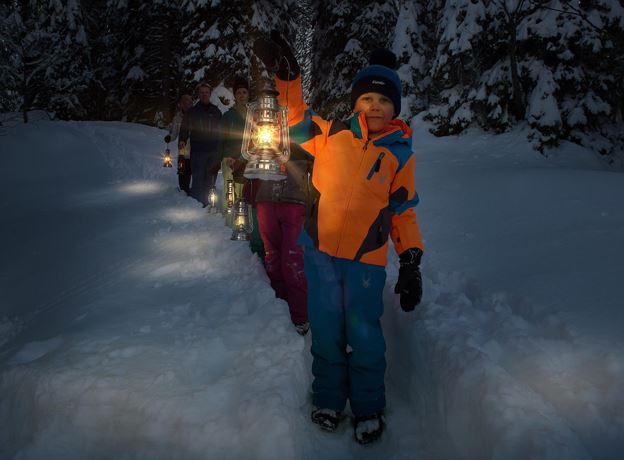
551	64
10	59
68	74
411	38
305	20
150	72
345	34
26	43
216	36
105	27
454	67
545	62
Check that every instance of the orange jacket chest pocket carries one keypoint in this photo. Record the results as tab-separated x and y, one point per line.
380	173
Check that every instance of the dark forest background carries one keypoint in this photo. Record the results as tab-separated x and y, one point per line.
555	66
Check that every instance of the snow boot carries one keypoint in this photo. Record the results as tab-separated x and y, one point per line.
327	419
302	328
367	429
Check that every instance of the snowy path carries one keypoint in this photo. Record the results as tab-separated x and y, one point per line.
132	327
180	346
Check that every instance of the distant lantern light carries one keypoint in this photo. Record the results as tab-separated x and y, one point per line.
213	200
266	145
167	161
182	167
242	223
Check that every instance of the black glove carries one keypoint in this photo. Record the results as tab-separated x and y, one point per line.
277	56
167	138
409	284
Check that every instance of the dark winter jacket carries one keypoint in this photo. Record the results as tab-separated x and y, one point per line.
296	187
233	124
233	127
202	123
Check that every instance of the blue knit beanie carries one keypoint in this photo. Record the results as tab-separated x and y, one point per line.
379	77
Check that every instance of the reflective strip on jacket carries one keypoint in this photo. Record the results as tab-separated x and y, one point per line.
366	188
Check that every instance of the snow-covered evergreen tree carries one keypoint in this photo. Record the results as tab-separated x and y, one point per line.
591	79
32	53
10	28
211	38
218	37
345	35
552	64
150	73
455	66
106	24
134	76
68	75
544	62
306	18
412	45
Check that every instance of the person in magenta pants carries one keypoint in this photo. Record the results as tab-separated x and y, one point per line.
281	208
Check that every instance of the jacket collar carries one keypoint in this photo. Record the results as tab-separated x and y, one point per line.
397	131
208	106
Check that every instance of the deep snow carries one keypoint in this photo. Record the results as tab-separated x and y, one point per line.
132	327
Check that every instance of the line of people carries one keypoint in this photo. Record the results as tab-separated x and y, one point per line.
209	142
326	229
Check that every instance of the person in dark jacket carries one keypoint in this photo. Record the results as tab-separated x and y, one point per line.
202	124
281	211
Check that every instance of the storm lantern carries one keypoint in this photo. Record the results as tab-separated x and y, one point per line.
242	223
213	199
265	140
230	197
167	161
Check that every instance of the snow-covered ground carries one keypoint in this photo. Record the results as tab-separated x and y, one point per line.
131	327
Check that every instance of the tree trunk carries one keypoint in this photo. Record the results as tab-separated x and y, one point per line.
166	58
25	99
517	101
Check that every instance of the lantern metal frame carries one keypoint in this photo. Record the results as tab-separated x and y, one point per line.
266	143
243	225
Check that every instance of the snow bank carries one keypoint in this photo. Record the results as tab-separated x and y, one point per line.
182	352
132	327
507	387
508	375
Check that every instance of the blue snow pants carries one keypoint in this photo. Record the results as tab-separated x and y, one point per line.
345	304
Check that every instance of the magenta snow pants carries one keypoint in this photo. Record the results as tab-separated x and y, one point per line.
280	224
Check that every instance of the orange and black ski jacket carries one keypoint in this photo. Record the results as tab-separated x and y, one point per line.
365	188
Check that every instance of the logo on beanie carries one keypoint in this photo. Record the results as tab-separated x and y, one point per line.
377	82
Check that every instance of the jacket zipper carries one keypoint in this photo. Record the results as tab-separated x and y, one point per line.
344	222
376	166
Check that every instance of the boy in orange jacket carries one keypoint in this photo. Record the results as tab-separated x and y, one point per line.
363	176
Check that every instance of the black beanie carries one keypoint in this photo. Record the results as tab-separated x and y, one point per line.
379	77
240	82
